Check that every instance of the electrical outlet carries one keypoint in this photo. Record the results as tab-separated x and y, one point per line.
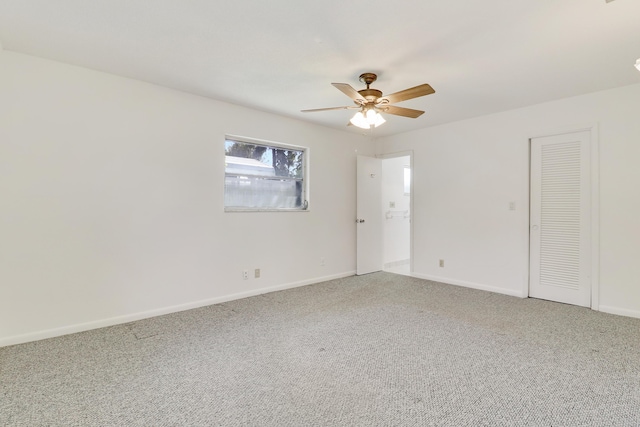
245	274
441	263
256	273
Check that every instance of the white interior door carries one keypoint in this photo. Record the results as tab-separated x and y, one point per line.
369	215
560	233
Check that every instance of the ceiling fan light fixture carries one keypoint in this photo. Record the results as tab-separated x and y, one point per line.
370	118
359	120
374	118
379	120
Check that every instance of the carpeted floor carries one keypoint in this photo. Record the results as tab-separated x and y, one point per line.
374	350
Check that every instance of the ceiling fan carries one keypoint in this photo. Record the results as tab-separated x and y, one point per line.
370	102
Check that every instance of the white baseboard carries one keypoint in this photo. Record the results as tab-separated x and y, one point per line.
619	311
520	294
81	327
398	263
472	285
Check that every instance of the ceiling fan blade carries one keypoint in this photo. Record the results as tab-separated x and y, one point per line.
330	108
406	94
400	111
350	92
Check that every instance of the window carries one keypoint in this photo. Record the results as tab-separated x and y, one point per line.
261	176
407	180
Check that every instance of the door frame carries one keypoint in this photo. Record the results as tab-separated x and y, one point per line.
406	153
595	206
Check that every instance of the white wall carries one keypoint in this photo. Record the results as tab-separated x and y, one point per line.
396	225
111	202
466	173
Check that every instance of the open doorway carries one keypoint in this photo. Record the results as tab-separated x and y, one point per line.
396	209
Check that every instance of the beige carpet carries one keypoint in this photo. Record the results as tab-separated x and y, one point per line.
374	350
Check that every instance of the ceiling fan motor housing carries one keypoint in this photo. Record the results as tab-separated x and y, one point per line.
370	94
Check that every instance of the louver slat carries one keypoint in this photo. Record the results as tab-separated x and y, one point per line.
560	219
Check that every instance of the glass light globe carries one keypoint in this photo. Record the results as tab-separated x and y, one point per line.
360	121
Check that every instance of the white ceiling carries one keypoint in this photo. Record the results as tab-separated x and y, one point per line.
281	56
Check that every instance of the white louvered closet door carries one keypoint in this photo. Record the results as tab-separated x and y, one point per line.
560	236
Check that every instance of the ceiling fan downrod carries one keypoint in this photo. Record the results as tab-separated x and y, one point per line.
369	94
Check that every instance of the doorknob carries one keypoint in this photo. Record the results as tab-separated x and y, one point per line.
359	221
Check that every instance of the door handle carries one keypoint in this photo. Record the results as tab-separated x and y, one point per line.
359	221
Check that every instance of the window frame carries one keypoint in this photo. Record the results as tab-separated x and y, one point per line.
270	144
